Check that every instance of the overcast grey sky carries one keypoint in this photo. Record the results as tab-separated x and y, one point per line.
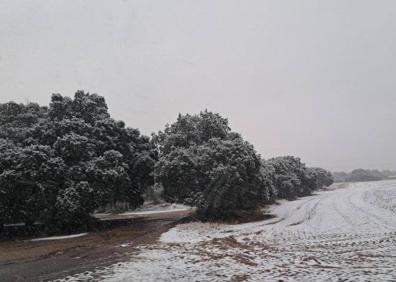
315	79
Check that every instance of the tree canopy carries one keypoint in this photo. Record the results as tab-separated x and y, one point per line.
204	164
363	175
58	164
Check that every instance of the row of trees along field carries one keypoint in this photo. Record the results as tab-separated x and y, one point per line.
363	175
59	164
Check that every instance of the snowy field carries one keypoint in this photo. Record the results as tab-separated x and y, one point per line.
346	234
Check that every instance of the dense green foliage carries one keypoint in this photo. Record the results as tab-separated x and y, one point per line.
324	177
204	164
293	179
58	164
217	177
190	130
363	175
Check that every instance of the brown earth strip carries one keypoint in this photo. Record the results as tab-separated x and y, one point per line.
48	260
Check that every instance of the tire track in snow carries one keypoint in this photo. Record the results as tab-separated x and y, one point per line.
374	219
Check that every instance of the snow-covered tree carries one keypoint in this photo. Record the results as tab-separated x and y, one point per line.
17	119
30	178
73	206
204	164
268	181
289	176
100	160
293	179
324	177
191	130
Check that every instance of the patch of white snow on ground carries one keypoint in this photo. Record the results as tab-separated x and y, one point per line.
59	237
146	210
153	212
161	207
347	234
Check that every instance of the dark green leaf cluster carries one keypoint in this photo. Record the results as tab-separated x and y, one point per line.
204	164
363	175
293	179
58	164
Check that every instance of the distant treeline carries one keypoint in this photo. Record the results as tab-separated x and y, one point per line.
59	164
363	175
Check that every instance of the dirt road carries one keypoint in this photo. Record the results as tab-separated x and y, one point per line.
48	260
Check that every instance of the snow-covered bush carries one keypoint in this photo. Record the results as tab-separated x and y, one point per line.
235	181
50	158
293	179
203	163
286	172
218	177
191	130
268	181
324	177
73	206
29	176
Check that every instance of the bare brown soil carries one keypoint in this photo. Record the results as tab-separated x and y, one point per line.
24	260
